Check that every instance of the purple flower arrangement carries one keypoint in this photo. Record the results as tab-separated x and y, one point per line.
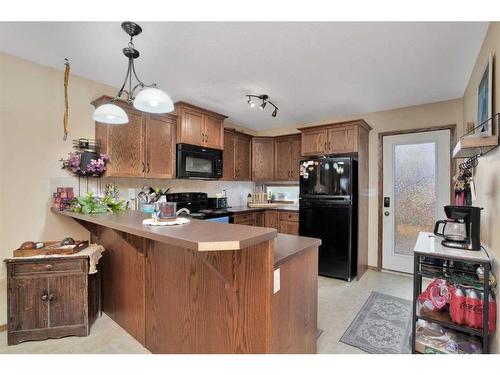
95	166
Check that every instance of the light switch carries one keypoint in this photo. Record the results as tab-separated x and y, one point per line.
276	288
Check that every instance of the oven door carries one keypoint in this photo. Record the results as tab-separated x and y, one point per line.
198	162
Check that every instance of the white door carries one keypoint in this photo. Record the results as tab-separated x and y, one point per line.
415	189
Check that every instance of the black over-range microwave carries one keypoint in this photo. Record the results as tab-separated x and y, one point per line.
198	162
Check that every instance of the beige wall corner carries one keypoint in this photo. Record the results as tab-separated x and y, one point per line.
487	173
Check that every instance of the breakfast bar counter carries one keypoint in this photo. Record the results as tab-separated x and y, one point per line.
207	287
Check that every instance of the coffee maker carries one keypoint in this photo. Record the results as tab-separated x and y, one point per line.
462	229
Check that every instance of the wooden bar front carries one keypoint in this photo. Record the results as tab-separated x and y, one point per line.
179	300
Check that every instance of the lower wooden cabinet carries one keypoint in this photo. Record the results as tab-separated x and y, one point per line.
245	218
260	219
289	227
272	219
283	221
50	298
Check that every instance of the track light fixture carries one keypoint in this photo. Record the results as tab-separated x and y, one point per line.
265	100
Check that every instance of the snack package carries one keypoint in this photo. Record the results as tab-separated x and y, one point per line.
435	296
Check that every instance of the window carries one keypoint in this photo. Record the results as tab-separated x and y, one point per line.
284	193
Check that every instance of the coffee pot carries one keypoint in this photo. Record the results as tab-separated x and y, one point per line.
451	230
462	228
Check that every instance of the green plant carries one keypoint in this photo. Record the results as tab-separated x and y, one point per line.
89	204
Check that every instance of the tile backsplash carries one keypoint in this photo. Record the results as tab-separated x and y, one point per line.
237	191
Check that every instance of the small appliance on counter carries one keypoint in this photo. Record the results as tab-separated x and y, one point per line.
197	206
217	203
462	228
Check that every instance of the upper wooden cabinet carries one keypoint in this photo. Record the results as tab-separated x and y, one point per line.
262	159
198	126
144	147
332	139
237	156
287	158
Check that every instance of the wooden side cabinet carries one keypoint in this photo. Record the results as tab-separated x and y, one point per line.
50	298
199	127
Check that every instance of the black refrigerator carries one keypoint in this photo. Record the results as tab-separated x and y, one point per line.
328	210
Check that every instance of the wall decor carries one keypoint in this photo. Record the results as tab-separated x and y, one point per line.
485	100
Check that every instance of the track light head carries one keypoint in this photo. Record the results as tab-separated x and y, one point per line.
263	105
275	112
250	102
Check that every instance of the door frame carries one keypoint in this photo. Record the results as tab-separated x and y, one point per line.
453	138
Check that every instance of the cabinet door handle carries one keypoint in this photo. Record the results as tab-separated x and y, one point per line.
143	167
51	296
44	297
48	267
148	167
325	145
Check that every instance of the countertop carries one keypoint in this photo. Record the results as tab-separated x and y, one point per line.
196	235
429	244
287	246
283	207
202	235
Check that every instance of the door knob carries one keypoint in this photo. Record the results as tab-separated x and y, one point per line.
386	213
44	297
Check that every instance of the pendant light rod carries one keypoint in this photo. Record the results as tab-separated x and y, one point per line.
149	98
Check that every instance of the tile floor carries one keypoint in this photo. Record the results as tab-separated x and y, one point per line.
339	302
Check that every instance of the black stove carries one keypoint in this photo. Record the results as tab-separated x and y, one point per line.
197	204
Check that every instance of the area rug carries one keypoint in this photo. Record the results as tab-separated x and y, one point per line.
382	326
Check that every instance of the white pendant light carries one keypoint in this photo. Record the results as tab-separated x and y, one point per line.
110	114
148	99
153	100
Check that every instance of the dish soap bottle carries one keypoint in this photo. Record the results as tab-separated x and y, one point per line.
249	199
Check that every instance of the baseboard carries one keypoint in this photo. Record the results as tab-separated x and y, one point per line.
374	268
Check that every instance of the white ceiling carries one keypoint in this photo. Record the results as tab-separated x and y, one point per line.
311	71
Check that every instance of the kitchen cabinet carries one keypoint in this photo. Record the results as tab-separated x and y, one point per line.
289	227
245	218
342	140
260	219
237	156
160	146
287	157
50	298
272	219
289	222
144	147
199	127
332	139
314	141
262	159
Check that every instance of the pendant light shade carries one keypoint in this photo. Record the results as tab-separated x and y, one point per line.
110	114
153	100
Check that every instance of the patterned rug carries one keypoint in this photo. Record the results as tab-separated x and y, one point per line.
382	326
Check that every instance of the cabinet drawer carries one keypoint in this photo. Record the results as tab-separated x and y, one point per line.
289	216
240	218
48	266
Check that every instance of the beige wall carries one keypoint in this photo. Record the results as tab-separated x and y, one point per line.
31	108
487	174
434	114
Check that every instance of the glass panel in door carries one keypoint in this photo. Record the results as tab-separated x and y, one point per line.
414	193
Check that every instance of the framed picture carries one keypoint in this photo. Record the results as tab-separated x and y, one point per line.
485	100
